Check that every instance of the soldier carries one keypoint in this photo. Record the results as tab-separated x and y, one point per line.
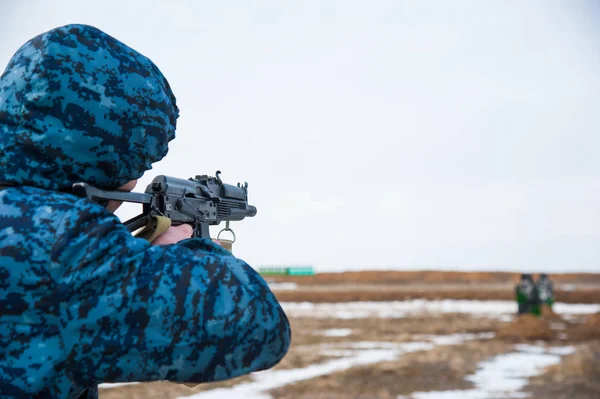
546	290
82	301
524	293
535	305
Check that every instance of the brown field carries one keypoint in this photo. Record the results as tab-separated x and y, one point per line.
402	293
577	376
398	286
430	277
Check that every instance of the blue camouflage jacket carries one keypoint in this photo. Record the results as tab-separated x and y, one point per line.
81	300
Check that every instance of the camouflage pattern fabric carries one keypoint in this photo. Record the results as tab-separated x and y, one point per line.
528	296
77	104
522	303
524	292
82	301
546	290
535	305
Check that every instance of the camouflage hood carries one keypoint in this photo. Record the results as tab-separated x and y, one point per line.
78	105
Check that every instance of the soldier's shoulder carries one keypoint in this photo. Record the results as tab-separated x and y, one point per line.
22	200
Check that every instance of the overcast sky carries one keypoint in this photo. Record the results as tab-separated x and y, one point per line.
454	135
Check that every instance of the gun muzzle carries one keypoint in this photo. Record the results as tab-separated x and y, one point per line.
251	211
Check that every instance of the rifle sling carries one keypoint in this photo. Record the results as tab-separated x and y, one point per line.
155	227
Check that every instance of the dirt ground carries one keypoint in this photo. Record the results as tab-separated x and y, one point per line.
578	293
433	285
440	368
431	278
576	377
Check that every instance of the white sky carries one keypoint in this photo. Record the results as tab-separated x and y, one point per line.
415	134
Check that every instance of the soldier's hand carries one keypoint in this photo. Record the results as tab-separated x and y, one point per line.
174	234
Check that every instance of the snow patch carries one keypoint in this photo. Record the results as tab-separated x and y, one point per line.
336	332
283	286
454	339
397	309
503	376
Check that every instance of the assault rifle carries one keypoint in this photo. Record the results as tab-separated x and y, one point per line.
200	201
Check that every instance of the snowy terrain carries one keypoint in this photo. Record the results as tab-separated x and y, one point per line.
504	375
355	354
357	310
